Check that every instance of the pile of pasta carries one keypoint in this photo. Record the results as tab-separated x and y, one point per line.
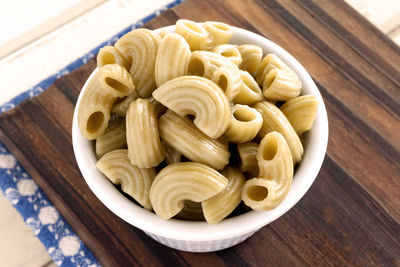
167	111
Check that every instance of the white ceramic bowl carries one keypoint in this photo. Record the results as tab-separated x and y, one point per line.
199	236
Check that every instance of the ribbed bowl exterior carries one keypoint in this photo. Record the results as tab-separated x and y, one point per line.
200	246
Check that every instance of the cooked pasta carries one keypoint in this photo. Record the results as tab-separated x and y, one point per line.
268	63
275	120
195	35
218	69
172	155
110	55
134	181
218	33
301	112
251	58
244	124
248	157
113	138
249	92
229	51
140	49
221	205
184	181
144	146
107	84
172	58
121	105
191	211
192	95
181	134
275	177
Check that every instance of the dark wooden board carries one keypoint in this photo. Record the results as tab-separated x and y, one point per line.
350	216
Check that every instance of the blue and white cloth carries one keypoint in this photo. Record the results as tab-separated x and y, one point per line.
57	236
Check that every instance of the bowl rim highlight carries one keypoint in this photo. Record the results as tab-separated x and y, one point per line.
305	174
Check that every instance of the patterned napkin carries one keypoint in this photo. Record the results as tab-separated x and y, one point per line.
57	236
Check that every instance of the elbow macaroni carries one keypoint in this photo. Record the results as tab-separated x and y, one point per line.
199	113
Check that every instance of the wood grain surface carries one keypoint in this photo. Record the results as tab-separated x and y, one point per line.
351	214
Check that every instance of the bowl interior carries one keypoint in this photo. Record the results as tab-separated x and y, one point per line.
315	143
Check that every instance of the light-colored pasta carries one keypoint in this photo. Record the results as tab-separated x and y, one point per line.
249	92
191	211
198	96
163	33
301	112
221	205
229	51
195	35
110	55
181	134
218	33
248	157
140	49
158	107
134	181
275	120
281	85
275	177
107	84
121	105
184	181
279	82
172	155
218	69
244	124
251	58
113	138
144	146
172	58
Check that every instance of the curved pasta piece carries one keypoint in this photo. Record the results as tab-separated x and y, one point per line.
144	146
191	211
218	33
268	63
248	158
218	69
230	52
250	92
275	120
184	181
221	205
195	35
281	85
172	58
251	58
140	49
301	112
276	174
107	84
183	136
200	97
134	181
172	155
244	125
113	138
110	55
121	105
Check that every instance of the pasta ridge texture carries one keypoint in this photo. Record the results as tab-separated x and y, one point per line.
183	181
134	181
230	52
180	133
110	55
248	157
114	136
218	33
221	205
195	35
198	96
140	48
251	58
145	149
172	58
249	92
275	120
275	177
